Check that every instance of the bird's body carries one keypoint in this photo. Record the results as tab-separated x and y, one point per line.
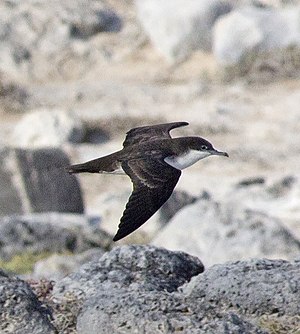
153	160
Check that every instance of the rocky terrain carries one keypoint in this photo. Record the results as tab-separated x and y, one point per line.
222	255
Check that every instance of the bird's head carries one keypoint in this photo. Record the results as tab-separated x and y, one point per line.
204	147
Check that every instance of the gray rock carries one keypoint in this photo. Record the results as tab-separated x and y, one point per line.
36	181
258	286
89	25
47	128
51	232
219	232
20	310
251	30
47	185
131	267
177	28
151	312
10	197
57	266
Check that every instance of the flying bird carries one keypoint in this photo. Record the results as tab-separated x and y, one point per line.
153	160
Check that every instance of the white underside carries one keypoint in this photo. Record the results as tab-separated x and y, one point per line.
187	159
118	171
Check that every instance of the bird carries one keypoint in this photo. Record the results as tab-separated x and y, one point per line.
153	160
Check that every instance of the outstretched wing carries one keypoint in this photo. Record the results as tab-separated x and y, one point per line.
145	133
153	183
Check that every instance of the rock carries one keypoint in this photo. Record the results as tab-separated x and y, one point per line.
20	310
51	232
39	39
219	232
278	196
84	26
57	266
131	267
134	289
46	183
251	30
151	312
177	28
10	197
47	128
258	286
36	181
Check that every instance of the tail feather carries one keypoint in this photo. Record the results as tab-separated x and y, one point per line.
103	164
81	168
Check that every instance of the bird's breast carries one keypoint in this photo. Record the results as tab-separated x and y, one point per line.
186	159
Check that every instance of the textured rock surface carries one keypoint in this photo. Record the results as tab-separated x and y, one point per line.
219	232
258	286
20	310
47	128
50	232
177	28
155	312
131	267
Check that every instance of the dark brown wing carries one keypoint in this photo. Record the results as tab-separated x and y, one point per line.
145	133
153	183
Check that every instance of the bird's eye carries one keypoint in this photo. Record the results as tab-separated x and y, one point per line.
204	147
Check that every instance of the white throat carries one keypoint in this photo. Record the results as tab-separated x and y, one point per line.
187	159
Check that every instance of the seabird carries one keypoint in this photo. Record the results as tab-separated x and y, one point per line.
153	160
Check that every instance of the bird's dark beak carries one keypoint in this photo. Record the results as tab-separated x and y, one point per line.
215	152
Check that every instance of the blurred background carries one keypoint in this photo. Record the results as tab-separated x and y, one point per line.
76	75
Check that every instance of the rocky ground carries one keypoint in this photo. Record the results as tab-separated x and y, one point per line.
74	77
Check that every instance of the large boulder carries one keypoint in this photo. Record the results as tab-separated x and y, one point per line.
258	286
152	312
219	232
36	181
251	30
131	267
50	233
179	27
47	128
20	310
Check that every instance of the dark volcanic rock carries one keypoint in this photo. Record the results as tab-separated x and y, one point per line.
132	267
20	310
50	232
48	186
255	286
134	289
152	312
36	181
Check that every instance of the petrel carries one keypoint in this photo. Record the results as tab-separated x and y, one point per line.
153	160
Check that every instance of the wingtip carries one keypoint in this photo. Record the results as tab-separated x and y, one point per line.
118	237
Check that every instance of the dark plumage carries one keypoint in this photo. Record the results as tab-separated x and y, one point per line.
153	161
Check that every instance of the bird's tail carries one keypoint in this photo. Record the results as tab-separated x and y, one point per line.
105	164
